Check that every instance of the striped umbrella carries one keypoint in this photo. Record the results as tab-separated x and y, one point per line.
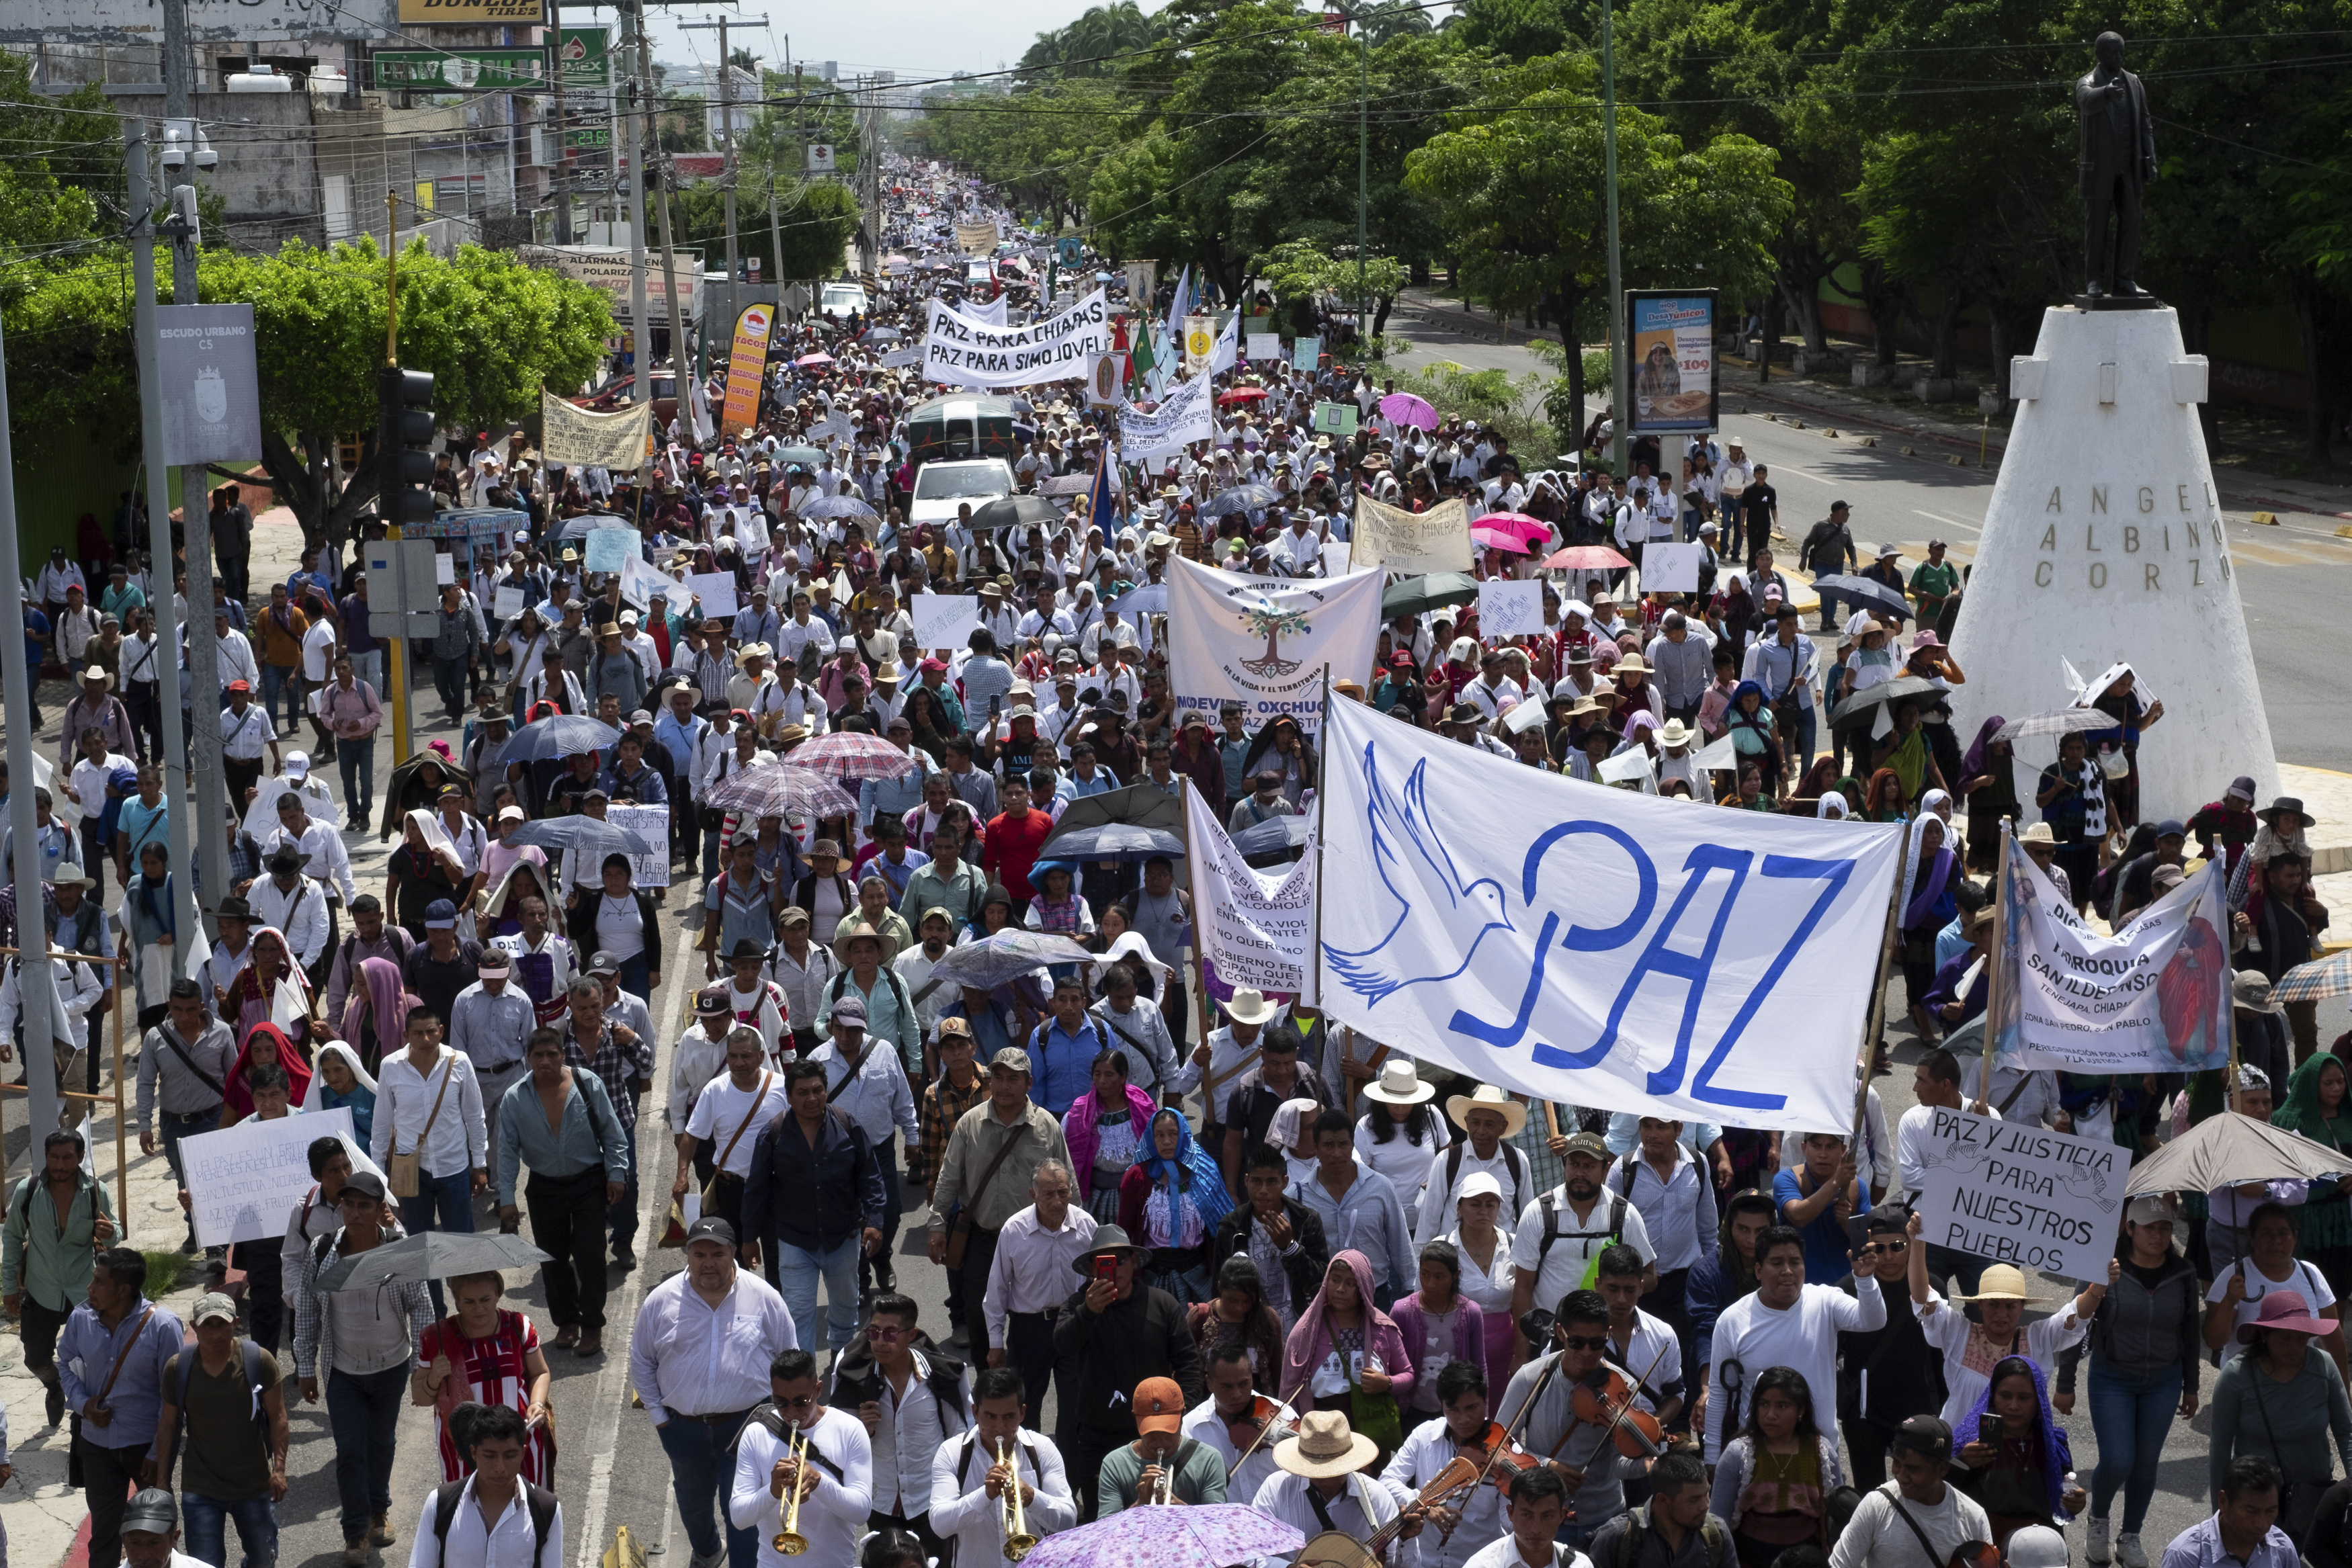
2329	976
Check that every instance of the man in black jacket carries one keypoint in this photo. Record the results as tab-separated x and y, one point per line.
1271	1229
1114	1334
1828	550
908	1428
812	1203
1885	1375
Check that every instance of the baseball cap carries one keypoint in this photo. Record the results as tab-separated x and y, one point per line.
1012	1058
298	764
711	1002
367	1184
849	1011
2151	1208
440	916
604	965
494	960
1588	1144
212	1304
1159	1406
1925	1435
710	1227
151	1512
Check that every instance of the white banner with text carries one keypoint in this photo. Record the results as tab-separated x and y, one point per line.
1256	928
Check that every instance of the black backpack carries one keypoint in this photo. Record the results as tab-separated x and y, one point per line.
538	1499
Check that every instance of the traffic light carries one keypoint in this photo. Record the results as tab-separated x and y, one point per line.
405	445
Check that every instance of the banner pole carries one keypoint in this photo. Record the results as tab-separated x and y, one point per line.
1878	998
1992	972
1322	814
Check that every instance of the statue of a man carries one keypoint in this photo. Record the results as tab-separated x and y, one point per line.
2118	159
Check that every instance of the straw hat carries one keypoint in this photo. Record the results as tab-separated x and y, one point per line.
1633	662
1326	1447
1398	1084
1486	1097
2037	833
2000	1282
850	931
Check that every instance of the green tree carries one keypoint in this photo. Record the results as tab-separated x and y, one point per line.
64	155
1299	270
815	222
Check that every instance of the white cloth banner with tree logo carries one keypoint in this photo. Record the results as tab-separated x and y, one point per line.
1263	641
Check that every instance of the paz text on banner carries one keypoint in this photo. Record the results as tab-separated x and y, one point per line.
1412	543
573	436
961	351
1256	928
1181	420
1247	641
2013	1193
1593	945
2153	997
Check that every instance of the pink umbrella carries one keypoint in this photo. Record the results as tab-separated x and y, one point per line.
1585	558
1499	538
819	358
1518	525
1403	408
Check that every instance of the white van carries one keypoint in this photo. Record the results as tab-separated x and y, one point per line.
842	299
940	489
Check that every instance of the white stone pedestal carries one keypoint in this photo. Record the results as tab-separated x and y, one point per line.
2104	541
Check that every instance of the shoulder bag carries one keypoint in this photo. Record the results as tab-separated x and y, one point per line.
402	1173
959	1226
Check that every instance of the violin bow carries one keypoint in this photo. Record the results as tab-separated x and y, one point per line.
1609	1432
1281	1405
1526	1406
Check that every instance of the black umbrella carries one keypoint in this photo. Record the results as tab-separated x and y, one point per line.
431	1255
1135	806
1863	590
559	736
1417	595
1276	834
582	835
1110	840
1247	497
1015	511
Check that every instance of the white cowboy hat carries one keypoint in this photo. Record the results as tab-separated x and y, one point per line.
1398	1084
1250	1006
1325	1448
1675	733
1486	1097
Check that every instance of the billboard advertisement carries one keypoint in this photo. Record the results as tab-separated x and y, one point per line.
1672	334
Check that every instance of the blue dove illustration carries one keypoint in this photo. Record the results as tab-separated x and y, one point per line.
1403	830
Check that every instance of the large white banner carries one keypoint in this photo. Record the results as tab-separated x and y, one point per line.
959	350
1256	928
1593	945
944	619
2019	1195
1183	418
1263	641
1412	543
244	1181
2153	997
573	436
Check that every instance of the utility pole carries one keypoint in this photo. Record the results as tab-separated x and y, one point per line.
1363	184
211	838
563	129
775	224
727	177
801	145
678	370
159	537
396	648
634	136
1620	383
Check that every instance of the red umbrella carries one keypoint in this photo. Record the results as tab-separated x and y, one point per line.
1516	525
1585	558
1240	394
845	754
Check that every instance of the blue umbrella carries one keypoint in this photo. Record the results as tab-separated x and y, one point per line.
1111	841
562	734
1276	834
1000	959
582	835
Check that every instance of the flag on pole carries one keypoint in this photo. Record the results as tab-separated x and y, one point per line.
1227	348
1099	499
1179	306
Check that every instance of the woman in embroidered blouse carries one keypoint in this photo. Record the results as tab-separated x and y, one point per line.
1105	1128
1169	1202
485	1354
1770	1483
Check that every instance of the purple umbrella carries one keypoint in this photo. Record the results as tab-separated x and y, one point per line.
1403	408
1216	1535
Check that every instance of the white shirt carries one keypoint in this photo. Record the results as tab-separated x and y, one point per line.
1966	1375
318	652
511	1543
1206	1428
1652	1353
1504	1554
1425	1451
1876	1536
701	1360
1406	1163
1574	1244
404	1099
1492	1291
905	1442
1438	1218
88	779
301	914
2302	1278
1359	1511
832	1516
696	1060
1803	1336
243	738
721	1109
963	1513
1908	1132
1032	1268
323	857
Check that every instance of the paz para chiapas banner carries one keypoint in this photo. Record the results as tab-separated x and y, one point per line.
2152	998
961	351
1592	946
1265	642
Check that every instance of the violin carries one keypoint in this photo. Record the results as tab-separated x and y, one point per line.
1264	1422
1606	1400
1497	1456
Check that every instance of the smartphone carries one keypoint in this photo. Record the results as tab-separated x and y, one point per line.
1106	1268
995	707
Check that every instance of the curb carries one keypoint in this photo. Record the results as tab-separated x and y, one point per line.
1766	394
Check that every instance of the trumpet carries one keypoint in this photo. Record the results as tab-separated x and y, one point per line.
790	1541
1017	1539
1164	1493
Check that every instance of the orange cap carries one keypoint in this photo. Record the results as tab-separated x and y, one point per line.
1159	1406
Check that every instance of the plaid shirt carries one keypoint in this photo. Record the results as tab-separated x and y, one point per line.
314	1325
616	1064
943	1105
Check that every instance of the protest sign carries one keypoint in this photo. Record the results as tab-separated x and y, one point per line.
961	351
506	603
2152	998
574	437
2009	1193
1183	418
1305	352
445	569
1257	927
1671	567
1265	348
899	359
1337	557
1246	640
1336	418
606	549
976	239
1411	543
943	620
243	1181
1509	609
717	591
1602	947
650	823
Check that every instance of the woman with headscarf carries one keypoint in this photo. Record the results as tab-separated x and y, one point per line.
1885	801
1278	748
1169	1202
271	990
2011	1458
150	920
262	1042
1832	807
1931	873
927	717
340	1079
424	868
417	782
1989	785
2317	1107
375	1017
1939	803
502	912
1291	1133
1238	1315
1106	1128
1347	1355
